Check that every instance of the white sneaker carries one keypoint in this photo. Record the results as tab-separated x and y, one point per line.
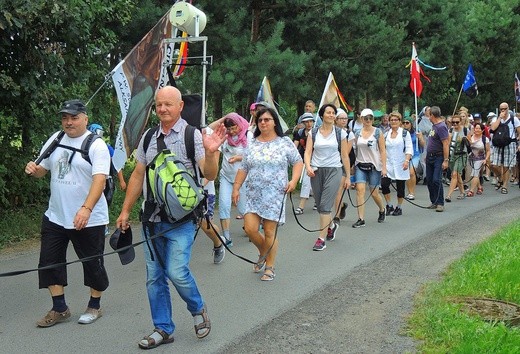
90	315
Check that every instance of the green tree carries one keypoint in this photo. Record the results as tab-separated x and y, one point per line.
50	51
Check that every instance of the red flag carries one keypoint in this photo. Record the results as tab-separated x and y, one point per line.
415	74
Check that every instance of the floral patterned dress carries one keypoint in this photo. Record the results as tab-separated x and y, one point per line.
266	164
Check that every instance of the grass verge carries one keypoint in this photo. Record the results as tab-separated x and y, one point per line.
489	270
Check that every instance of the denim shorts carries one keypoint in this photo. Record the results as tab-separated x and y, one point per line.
373	177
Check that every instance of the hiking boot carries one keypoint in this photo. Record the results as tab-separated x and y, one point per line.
218	254
397	211
381	217
440	208
359	223
90	315
432	206
331	232
343	211
389	209
319	245
52	317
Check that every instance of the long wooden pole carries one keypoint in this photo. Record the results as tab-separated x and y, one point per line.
458	98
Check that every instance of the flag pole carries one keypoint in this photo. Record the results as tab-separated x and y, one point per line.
416	114
458	98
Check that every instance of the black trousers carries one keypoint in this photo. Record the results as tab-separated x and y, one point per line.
385	186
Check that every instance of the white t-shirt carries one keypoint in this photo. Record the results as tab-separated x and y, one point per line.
71	178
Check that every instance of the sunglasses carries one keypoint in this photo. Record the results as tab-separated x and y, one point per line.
368	118
407	122
455	122
262	120
503	109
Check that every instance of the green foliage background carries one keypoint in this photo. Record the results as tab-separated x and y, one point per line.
53	51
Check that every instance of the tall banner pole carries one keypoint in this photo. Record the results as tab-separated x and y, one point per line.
416	113
458	98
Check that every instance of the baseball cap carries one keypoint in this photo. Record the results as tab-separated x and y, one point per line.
491	114
73	107
367	112
119	240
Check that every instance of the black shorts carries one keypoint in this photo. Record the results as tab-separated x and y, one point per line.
87	242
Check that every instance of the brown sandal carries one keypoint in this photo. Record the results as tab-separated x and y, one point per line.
155	339
202	323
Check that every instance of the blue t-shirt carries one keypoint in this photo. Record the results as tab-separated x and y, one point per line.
438	133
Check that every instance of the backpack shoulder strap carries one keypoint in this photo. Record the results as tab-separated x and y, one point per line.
189	142
338	138
314	132
85	146
377	133
148	137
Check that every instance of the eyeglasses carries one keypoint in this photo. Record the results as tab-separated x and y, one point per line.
455	122
342	118
394	120
262	120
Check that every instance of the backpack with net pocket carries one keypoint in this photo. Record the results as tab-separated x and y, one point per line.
175	190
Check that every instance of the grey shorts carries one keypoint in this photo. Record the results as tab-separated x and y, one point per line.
325	185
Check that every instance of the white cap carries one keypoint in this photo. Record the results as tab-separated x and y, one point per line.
367	112
491	114
470	117
341	111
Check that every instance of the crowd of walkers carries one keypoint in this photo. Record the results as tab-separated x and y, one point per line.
260	165
456	152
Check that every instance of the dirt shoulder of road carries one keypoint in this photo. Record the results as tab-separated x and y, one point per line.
365	312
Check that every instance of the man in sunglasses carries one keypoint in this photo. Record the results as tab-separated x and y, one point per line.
504	155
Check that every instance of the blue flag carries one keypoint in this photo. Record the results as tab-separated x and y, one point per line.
470	83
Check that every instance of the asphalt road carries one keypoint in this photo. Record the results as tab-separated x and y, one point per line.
350	298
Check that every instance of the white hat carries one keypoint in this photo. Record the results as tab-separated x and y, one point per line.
491	114
306	117
470	117
340	111
367	112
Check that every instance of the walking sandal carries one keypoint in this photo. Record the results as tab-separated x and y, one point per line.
202	323
155	339
268	276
